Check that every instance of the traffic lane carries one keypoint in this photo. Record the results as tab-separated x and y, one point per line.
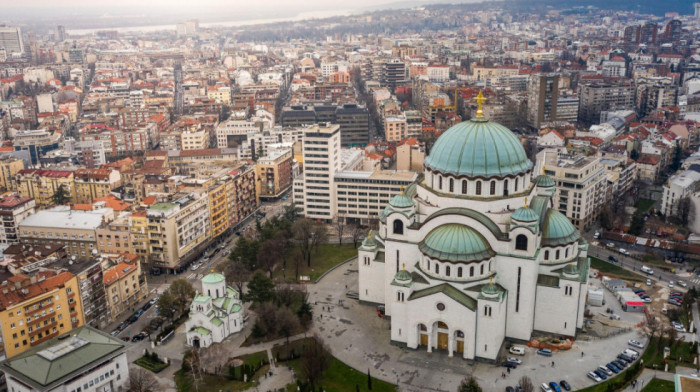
631	264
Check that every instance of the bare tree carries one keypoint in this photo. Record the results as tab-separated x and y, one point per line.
357	231
320	235
272	253
141	380
303	236
526	384
235	273
340	225
315	359
287	322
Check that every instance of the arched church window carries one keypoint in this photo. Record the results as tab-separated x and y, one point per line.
398	226
478	187
437	268
452	185
482	269
459	272
464	187
447	270
440	182
566	253
471	271
516	185
505	188
493	187
521	242
546	255
556	254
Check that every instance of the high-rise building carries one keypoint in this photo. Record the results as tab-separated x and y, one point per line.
14	209
354	124
321	155
647	33
11	40
595	98
392	73
542	97
697	10
60	33
631	35
673	31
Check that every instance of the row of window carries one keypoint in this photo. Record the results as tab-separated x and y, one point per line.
477	188
459	272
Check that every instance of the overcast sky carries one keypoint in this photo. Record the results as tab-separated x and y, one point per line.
246	4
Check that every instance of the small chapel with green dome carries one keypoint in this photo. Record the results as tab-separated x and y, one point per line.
474	254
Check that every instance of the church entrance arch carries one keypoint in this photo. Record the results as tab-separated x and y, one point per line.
422	335
443	332
195	342
459	341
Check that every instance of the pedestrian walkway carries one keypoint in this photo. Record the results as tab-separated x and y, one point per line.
648	375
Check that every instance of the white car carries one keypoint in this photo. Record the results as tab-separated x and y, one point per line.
517	350
594	377
624	252
596	235
545	387
670	284
679	328
635	343
605	370
195	267
646	300
682	283
648	282
514	360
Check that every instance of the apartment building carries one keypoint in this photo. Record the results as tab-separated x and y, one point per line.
123	142
176	229
313	191
542	99
679	186
36	309
125	286
9	167
595	98
115	237
395	128
41	185
484	73
194	139
92	184
354	124
581	185
274	173
61	225
410	154
221	94
622	172
361	196
85	360
36	142
233	133
13	210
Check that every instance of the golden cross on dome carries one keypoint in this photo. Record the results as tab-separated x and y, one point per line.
401	190
526	202
480	99
404	266
491	280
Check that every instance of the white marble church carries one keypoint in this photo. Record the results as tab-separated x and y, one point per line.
475	253
215	314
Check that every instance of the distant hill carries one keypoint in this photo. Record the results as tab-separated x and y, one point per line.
683	7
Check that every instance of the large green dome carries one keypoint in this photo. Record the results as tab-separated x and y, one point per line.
456	243
478	148
558	229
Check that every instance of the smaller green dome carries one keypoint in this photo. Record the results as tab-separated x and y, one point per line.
369	241
403	276
489	290
571	270
525	214
544	181
213	278
401	200
558	230
456	243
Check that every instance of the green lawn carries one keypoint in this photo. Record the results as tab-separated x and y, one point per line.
645	204
658	385
322	259
149	364
680	354
614	271
214	383
342	378
254	359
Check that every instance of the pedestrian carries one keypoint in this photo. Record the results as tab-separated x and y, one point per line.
581	354
552	363
508	370
324	308
321	316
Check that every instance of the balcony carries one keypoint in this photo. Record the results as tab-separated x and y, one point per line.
45	338
42	329
42	306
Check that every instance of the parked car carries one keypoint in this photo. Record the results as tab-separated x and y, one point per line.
555	387
545	351
646	300
195	266
682	283
647	270
605	370
612	259
115	332
679	328
676	293
670	284
154	300
517	350
565	385
601	374
648	282
507	364
612	367
545	387
139	337
638	291
596	235
595	377
635	343
146	306
514	360
624	251
124	338
626	358
610	245
674	302
620	364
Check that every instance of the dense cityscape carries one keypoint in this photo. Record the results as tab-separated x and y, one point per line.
399	197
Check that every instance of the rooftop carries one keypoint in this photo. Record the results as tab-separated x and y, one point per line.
63	217
62	358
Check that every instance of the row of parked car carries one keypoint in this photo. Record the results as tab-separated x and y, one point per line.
618	364
675	298
643	295
134	317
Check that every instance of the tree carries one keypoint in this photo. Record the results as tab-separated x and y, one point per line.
246	252
357	231
183	293
61	196
287	322
469	384
272	252
315	359
369	380
634	155
340	224
637	224
260	288
141	380
319	235
684	211
604	219
677	158
235	273
305	312
290	213
526	384
167	305
303	230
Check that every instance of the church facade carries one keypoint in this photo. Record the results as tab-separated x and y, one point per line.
475	253
215	314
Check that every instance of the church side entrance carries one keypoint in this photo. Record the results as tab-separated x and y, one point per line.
442	335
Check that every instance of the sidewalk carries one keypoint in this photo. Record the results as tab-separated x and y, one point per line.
648	375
